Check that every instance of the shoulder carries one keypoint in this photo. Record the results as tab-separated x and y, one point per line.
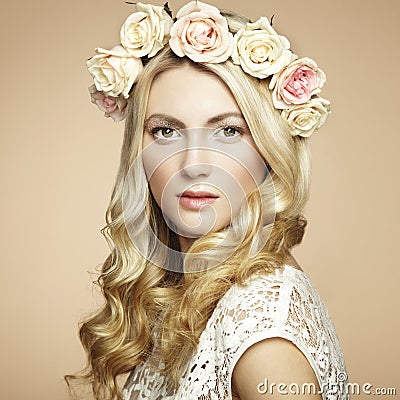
261	339
280	298
273	327
277	323
257	309
263	296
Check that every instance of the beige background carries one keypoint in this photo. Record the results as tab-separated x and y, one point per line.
59	158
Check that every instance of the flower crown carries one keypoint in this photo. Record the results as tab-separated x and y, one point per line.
201	33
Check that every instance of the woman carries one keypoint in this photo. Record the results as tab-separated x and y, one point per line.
203	299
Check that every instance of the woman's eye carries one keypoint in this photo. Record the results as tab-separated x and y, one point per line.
164	133
228	132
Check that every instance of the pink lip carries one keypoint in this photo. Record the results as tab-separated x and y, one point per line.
191	193
195	200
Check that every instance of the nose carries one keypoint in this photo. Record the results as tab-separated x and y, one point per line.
195	163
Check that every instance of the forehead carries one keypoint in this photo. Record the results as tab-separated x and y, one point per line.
190	95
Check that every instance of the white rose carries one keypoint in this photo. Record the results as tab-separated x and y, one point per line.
308	117
145	32
260	50
114	71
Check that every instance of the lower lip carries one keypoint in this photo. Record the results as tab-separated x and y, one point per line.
194	203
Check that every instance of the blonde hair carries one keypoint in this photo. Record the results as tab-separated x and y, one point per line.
148	308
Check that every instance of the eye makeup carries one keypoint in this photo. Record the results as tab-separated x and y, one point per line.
158	122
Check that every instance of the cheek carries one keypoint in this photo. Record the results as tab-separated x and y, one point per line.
246	173
246	181
156	188
159	179
157	184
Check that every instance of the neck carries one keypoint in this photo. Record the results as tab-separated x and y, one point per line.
185	243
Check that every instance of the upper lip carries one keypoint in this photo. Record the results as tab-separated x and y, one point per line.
200	193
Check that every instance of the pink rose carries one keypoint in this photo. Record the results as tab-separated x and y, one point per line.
201	33
114	107
296	83
114	71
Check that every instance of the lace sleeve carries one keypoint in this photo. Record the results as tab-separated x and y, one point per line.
286	306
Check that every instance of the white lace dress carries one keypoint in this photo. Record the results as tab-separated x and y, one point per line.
281	304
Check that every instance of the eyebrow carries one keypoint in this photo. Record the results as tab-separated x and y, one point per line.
223	116
177	122
169	118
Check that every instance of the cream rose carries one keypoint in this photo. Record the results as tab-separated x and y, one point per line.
260	50
114	71
201	33
306	118
114	107
146	31
296	83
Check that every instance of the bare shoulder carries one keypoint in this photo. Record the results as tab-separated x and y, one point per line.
278	361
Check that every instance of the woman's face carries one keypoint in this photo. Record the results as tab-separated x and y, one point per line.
198	153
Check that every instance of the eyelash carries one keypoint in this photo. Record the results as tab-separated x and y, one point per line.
235	128
156	129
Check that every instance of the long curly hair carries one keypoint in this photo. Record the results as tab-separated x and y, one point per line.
148	308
